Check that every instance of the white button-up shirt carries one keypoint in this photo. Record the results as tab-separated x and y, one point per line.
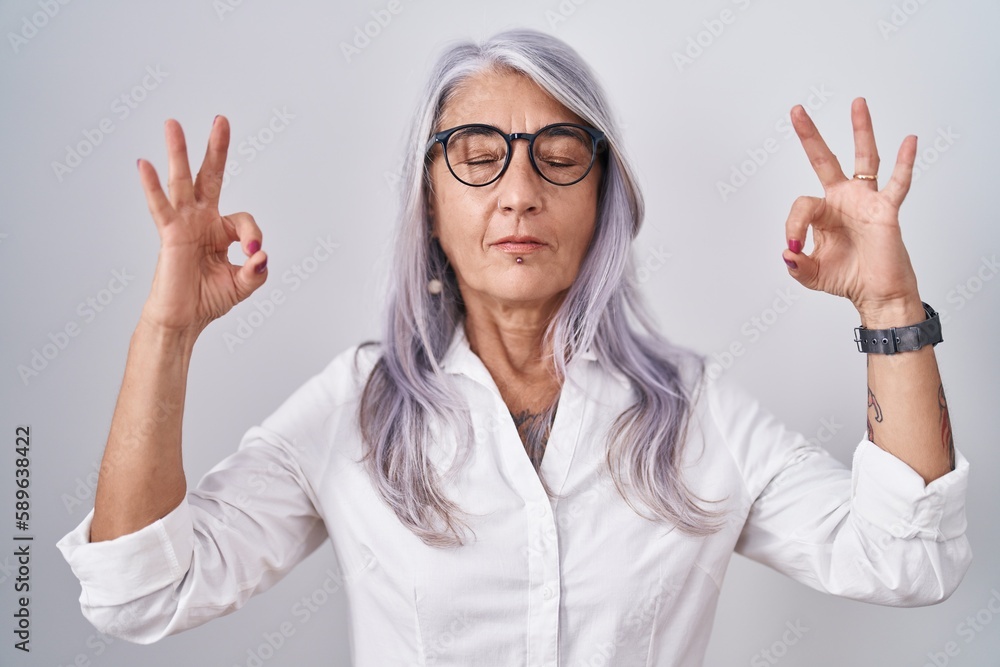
578	580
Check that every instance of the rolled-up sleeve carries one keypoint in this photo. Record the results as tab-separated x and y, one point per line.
874	532
132	565
249	520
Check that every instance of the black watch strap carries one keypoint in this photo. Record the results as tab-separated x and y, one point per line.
900	339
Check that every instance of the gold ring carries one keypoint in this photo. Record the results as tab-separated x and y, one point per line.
866	177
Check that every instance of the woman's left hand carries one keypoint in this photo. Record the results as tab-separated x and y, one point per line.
858	250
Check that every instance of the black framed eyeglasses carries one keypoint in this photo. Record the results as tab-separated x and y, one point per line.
561	153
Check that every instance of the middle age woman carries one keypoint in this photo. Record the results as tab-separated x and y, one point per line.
523	470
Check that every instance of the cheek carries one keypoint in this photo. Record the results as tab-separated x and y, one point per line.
459	223
585	223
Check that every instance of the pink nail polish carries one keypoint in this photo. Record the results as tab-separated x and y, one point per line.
253	247
262	267
795	245
790	263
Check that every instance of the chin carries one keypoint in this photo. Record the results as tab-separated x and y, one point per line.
525	289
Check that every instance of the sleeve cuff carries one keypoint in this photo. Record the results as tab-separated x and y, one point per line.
891	495
126	568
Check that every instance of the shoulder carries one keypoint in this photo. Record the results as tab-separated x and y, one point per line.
347	373
328	395
760	443
343	379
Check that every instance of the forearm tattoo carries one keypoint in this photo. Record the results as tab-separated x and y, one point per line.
945	421
873	403
946	439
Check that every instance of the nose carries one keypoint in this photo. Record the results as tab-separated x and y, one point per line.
519	190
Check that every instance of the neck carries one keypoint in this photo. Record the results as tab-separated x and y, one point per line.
509	339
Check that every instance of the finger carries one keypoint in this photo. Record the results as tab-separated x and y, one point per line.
179	179
156	199
251	275
823	161
902	173
243	228
208	184
804	211
866	160
802	267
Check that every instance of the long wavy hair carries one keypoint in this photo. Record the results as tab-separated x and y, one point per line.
407	390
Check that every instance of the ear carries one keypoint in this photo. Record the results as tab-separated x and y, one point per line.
432	218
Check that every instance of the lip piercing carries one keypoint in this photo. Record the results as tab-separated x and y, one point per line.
519	260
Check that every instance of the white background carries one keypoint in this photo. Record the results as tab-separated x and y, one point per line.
925	68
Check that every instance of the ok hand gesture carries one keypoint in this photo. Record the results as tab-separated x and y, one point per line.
194	281
858	250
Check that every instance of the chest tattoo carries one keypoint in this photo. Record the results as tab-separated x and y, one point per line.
534	427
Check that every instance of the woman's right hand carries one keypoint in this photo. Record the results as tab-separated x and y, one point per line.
195	282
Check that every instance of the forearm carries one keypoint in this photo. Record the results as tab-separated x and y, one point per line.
907	411
142	477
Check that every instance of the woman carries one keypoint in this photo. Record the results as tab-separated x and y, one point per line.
523	471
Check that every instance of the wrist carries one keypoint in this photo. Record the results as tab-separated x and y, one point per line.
165	339
897	313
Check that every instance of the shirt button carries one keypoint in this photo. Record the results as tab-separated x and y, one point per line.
547	592
540	510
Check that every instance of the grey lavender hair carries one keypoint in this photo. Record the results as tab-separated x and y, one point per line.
407	388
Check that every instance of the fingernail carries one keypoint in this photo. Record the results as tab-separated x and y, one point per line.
253	247
795	245
137	163
216	119
790	263
262	267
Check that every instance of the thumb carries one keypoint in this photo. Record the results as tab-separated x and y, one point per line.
251	275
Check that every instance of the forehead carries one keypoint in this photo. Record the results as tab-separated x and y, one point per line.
508	100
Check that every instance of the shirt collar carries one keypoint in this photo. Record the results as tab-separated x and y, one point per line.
460	359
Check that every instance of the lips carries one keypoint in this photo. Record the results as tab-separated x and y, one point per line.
519	244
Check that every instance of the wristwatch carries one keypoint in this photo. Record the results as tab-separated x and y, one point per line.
900	339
